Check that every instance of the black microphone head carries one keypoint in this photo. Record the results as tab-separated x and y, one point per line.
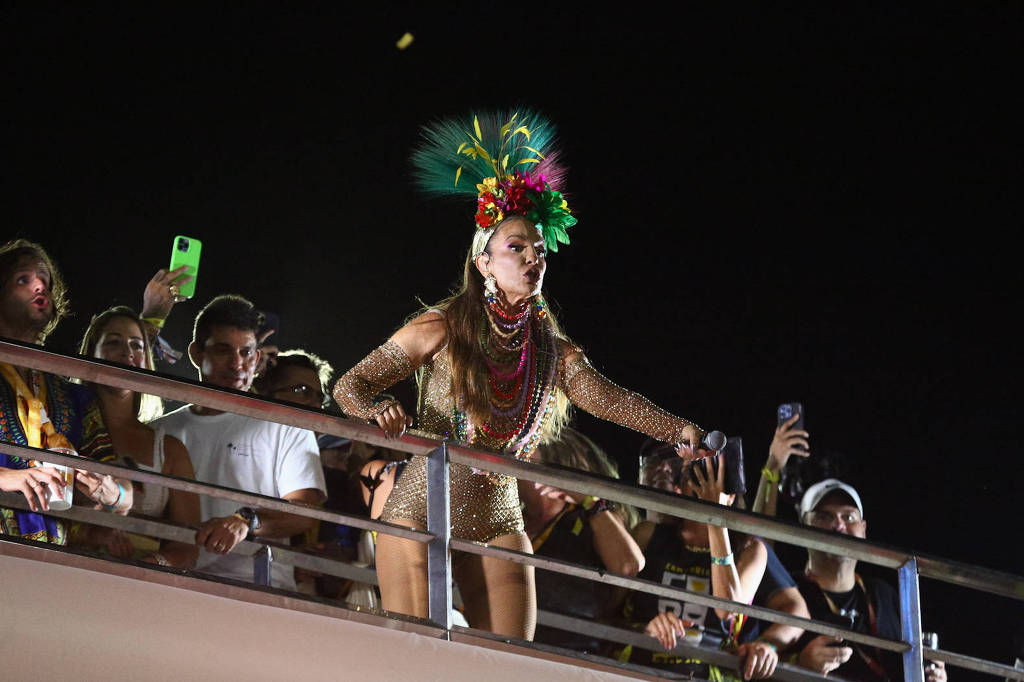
714	440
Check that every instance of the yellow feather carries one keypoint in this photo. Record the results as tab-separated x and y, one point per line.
504	162
522	129
461	147
458	174
476	126
534	151
528	161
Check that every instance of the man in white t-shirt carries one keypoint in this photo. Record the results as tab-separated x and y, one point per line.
242	452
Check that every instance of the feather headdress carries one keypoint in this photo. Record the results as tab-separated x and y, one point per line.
505	161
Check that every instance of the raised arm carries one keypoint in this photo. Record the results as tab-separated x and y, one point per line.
589	390
394	360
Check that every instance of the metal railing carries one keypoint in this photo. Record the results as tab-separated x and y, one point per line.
440	544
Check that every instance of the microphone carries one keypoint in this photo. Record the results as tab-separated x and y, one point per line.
713	440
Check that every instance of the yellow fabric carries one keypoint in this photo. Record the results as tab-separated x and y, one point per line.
39	431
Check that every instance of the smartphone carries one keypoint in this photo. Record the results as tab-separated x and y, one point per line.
732	458
786	412
791	481
185	251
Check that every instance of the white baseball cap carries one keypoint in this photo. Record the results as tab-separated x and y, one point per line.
818	491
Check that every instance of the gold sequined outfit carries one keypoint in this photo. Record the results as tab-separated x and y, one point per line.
483	507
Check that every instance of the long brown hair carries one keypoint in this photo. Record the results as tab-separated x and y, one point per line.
147	407
16	253
463	321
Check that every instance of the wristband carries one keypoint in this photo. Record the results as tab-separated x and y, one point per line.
120	495
773	478
157	322
766	642
595	505
722	560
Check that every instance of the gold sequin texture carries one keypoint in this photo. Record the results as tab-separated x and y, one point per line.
483	507
589	390
384	367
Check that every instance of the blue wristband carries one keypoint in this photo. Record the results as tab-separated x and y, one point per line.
722	560
120	495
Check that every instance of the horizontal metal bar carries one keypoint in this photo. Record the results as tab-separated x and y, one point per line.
187	535
972	663
718	657
192	391
191	486
660	590
973	577
98	371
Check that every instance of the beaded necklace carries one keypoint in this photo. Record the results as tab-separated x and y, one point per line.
521	357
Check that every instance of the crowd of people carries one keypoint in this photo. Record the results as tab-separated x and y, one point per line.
494	369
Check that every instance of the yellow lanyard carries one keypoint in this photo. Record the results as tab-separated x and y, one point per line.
39	431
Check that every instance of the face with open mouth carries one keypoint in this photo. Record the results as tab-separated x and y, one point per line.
27	307
517	259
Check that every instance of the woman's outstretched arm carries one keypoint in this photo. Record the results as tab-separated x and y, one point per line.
385	366
589	390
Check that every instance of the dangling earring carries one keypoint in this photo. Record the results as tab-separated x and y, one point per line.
490	287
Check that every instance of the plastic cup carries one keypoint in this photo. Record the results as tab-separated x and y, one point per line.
57	501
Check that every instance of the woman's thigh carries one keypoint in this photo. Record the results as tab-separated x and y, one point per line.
402	572
499	595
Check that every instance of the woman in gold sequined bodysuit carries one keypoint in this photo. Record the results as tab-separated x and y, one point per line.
493	367
498	594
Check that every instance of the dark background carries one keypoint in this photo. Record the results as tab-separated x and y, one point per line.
795	202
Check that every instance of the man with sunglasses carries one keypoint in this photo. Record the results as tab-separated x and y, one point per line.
836	593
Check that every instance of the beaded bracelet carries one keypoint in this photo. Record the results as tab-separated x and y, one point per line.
722	560
766	642
157	322
120	495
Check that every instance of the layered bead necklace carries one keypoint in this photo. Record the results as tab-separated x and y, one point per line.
521	358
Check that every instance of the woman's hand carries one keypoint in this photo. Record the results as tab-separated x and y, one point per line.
758	660
935	671
822	656
32	484
689	447
105	490
666	628
787	441
393	420
712	488
161	292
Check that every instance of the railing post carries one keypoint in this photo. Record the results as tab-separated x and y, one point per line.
262	560
910	621
439	567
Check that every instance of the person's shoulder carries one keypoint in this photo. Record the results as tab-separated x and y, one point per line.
182	414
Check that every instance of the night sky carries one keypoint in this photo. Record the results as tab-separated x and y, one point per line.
794	202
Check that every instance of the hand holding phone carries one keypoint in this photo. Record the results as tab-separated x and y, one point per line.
790	437
185	253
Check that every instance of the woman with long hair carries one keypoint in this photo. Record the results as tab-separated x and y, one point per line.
118	335
493	366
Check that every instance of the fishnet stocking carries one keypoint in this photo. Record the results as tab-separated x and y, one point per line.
499	596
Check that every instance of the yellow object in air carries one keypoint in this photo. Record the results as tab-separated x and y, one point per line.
405	41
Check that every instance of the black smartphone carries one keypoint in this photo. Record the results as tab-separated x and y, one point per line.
791	483
786	412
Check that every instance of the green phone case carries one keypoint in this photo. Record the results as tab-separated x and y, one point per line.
185	251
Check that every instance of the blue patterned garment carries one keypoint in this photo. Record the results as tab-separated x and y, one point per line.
75	413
